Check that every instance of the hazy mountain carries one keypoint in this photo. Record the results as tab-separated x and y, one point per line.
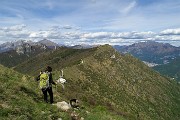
9	46
48	43
83	46
152	52
22	53
13	45
13	53
122	84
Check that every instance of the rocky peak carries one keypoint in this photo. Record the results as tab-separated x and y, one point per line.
24	48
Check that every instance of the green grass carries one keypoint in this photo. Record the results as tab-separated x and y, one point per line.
21	99
101	113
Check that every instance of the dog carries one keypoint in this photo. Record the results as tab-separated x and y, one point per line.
61	81
74	103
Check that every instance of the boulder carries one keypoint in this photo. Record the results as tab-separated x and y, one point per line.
63	105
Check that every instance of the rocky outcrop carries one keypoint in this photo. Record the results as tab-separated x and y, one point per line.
23	49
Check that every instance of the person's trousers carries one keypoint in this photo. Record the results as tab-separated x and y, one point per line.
48	90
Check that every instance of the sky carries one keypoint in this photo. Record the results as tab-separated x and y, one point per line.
72	22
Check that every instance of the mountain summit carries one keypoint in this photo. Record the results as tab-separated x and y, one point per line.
48	43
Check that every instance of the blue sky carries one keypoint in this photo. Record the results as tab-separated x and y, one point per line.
90	21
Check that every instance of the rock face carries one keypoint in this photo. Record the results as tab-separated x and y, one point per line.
23	49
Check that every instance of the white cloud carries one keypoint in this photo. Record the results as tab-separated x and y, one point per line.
13	28
101	37
45	34
96	35
171	31
72	36
116	35
14	32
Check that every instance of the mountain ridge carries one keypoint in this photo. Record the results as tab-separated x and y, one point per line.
120	82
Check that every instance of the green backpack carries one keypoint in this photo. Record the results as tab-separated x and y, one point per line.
44	81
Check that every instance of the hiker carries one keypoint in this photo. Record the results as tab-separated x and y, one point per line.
47	85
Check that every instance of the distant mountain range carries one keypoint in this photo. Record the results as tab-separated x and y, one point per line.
21	43
13	53
47	43
151	52
83	46
12	58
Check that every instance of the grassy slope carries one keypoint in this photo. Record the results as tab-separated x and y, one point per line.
128	88
20	99
124	85
171	69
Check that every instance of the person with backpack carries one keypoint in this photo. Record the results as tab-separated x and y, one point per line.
45	83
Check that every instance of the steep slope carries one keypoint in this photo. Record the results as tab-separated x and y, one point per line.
21	99
171	69
121	83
